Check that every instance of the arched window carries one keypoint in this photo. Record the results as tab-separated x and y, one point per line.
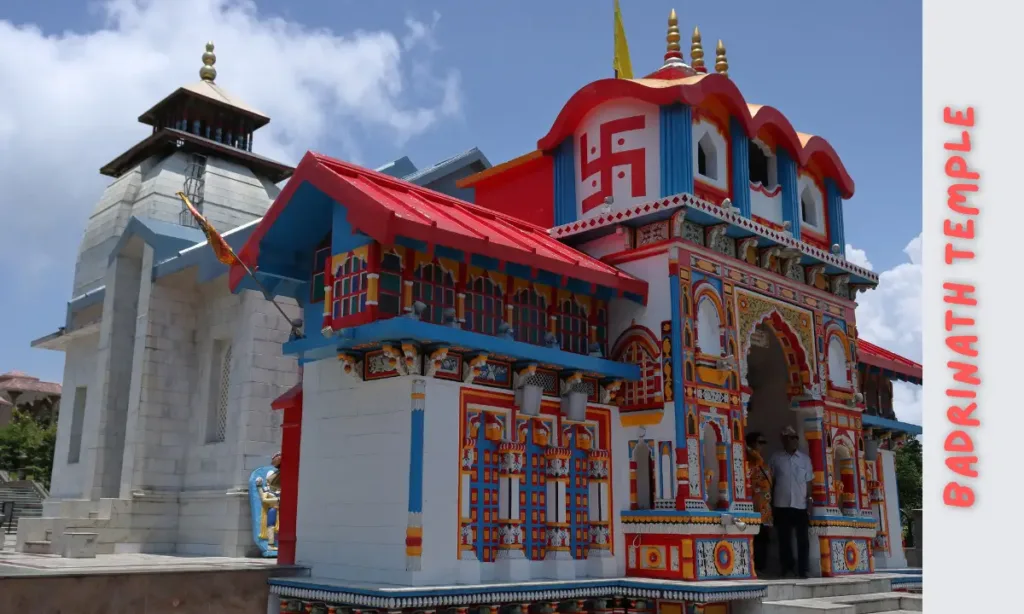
637	346
762	165
389	291
838	372
573	327
531	316
707	157
709	465
435	287
484	306
644	460
709	328
808	207
349	295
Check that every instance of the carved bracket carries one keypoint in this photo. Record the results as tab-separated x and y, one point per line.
472	365
352	365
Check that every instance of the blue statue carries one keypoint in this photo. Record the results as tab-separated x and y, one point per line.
264	501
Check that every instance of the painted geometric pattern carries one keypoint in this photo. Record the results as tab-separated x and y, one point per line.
725	558
484	500
533	497
578	506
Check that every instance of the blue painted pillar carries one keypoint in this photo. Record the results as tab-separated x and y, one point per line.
790	191
834	204
414	529
740	144
565	183
678	385
676	150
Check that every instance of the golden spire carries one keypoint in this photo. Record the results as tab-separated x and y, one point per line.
208	72
721	64
697	52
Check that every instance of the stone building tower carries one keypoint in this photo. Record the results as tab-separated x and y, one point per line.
201	142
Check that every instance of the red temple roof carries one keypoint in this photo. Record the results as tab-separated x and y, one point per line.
871	354
384	208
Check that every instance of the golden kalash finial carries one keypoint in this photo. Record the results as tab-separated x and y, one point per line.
208	72
697	52
721	64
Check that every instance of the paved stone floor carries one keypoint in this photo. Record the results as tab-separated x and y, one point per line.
20	564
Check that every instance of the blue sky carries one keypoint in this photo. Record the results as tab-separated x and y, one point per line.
847	71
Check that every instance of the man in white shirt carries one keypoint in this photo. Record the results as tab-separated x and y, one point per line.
793	471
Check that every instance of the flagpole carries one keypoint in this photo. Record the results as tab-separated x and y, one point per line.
208	230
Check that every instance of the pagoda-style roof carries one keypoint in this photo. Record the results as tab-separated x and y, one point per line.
385	208
207	91
169	139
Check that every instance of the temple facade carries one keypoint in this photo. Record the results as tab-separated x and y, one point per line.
539	402
169	376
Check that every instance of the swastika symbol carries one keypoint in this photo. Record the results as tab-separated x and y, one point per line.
635	159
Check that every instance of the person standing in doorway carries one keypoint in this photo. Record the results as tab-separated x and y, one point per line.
793	471
761	486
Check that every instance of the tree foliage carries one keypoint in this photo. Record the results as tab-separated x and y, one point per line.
26	448
909	481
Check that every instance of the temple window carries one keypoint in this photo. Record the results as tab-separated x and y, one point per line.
573	327
349	295
484	306
762	165
220	387
838	371
638	347
707	158
316	283
808	207
709	328
434	286
530	317
643	459
389	293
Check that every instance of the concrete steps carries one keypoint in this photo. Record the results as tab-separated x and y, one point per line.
851	595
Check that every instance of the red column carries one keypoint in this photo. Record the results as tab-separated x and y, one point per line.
291	439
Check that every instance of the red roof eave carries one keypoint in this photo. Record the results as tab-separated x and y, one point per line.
696	90
871	354
385	208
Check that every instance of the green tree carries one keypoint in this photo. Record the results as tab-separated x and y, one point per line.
26	448
909	482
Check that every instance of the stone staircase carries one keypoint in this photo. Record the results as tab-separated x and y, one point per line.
874	594
28	503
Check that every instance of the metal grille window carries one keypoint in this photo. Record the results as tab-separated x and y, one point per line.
221	371
485	307
531	318
574	328
435	287
77	419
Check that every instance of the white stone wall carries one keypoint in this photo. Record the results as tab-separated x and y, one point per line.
67	480
898	558
233	195
353	498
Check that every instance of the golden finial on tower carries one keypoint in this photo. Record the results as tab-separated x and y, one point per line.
697	52
673	53
208	72
721	64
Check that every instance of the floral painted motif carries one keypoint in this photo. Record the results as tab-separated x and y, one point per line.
760	485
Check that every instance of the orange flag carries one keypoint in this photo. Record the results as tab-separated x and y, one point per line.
220	247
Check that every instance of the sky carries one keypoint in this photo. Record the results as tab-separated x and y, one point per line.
373	81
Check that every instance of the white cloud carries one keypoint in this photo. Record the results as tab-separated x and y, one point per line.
890	316
70	101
